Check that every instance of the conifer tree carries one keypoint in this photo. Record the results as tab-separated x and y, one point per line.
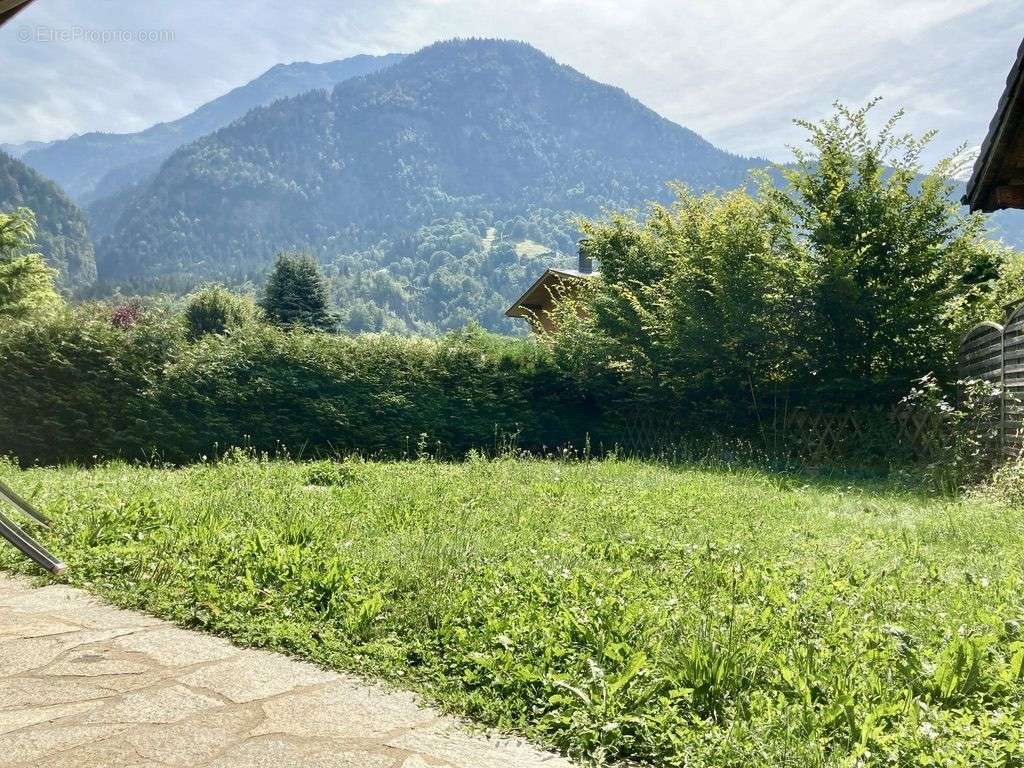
296	294
26	283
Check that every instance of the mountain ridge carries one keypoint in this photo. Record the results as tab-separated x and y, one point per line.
487	122
392	180
88	165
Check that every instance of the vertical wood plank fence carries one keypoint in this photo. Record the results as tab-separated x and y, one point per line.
995	353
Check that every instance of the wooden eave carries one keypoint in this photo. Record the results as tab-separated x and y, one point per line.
997	180
10	7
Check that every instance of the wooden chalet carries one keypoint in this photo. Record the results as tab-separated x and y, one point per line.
537	304
998	178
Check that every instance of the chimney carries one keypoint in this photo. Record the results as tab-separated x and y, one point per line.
586	262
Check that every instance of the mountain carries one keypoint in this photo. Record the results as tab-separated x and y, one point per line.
443	175
91	165
17	150
1007	226
61	234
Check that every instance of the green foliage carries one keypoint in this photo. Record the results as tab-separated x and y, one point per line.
26	283
296	294
699	299
330	473
214	309
894	259
62	235
623	612
962	439
79	385
838	288
74	386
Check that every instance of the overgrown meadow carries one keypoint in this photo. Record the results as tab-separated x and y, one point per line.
616	610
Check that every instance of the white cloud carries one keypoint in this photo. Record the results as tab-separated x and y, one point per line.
735	71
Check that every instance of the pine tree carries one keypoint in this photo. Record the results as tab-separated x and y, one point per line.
26	283
296	294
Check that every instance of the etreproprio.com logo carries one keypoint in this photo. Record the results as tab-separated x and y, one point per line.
73	34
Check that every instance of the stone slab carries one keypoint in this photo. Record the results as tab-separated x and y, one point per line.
84	684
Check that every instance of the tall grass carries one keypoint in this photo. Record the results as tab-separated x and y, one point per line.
614	609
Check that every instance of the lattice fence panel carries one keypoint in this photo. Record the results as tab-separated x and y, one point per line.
650	434
824	437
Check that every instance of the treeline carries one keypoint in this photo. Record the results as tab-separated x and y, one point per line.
717	314
434	279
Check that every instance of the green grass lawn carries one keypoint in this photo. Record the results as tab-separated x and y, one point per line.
615	610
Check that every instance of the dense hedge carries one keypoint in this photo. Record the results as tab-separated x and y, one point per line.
77	387
84	385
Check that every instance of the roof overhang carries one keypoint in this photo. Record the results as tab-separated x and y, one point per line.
998	177
10	7
541	294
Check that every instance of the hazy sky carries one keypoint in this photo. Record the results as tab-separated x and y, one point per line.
735	71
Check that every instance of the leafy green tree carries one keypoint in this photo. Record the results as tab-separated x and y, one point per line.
700	299
296	294
215	309
854	276
26	283
895	266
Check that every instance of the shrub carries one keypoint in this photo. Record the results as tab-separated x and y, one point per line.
372	394
855	274
75	386
215	309
961	439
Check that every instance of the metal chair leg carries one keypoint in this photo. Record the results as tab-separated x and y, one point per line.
21	540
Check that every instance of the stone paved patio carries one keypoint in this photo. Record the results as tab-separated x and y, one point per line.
85	684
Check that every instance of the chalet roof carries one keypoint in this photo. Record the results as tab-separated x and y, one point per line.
10	7
540	293
1000	166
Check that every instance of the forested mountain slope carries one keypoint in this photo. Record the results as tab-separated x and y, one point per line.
92	165
403	173
62	235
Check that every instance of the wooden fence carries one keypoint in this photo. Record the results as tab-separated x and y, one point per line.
995	353
825	437
821	437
